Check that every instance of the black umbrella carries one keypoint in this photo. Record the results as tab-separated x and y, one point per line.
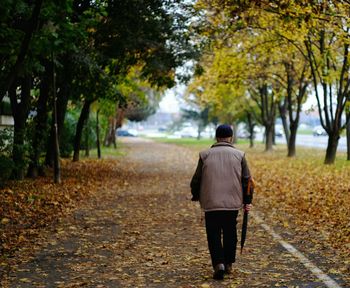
244	229
250	190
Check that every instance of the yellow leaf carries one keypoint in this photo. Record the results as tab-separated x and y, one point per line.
5	221
21	238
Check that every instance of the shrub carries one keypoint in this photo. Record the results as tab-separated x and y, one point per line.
6	167
6	141
67	135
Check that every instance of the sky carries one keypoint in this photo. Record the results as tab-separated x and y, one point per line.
173	99
169	103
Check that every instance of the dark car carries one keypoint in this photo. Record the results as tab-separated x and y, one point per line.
124	133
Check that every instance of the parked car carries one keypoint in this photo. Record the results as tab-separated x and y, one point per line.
319	131
243	134
279	132
124	133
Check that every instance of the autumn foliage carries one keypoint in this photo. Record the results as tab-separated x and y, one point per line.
30	205
304	195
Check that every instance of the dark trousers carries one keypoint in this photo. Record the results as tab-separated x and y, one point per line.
218	224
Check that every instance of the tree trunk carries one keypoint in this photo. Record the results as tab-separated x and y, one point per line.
98	144
348	134
87	148
62	103
251	130
56	148
283	114
40	120
80	125
234	128
333	139
110	134
199	132
269	137
292	140
20	114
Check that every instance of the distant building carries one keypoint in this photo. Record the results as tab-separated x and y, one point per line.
6	119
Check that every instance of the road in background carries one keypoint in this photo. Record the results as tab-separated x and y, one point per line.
309	141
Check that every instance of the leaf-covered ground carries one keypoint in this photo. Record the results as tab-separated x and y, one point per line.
128	222
306	196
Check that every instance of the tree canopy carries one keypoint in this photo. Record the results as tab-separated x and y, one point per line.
276	53
71	54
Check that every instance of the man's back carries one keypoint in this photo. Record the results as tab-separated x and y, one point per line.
221	186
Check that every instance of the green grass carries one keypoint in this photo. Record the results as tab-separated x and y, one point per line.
314	155
106	152
192	142
305	132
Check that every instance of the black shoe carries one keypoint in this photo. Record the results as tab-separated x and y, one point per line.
228	268
219	272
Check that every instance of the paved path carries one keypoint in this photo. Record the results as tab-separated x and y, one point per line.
144	232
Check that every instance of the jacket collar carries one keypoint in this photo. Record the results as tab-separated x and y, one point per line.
219	144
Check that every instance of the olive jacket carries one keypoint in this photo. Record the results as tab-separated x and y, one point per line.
221	178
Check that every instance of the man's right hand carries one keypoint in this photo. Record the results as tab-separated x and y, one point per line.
247	207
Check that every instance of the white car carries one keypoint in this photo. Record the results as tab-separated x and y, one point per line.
319	131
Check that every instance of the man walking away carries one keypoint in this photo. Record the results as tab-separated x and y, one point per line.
220	185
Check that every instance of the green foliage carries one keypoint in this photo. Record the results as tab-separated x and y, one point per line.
200	117
6	141
156	34
89	133
67	134
119	52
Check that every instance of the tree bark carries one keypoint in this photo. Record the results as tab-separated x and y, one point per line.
269	128
114	123
87	147
283	113
98	143
234	128
110	133
348	134
267	105
40	120
292	140
20	111
251	129
80	125
33	23
56	148
333	139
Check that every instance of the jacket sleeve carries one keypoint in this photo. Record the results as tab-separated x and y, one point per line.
196	181
247	183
